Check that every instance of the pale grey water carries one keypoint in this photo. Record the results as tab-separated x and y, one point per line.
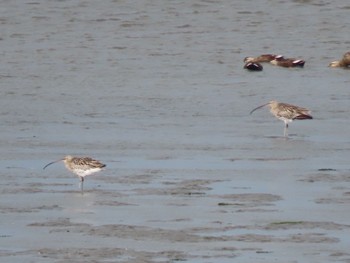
157	91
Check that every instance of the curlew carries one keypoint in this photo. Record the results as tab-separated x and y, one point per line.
286	112
81	166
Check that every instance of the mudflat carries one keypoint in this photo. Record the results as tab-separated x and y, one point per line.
156	90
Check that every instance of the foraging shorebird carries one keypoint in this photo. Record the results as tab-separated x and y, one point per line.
343	63
81	166
253	66
261	58
287	62
286	112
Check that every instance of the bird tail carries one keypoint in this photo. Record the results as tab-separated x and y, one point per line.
299	63
303	117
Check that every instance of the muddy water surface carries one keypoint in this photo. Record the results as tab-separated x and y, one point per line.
157	91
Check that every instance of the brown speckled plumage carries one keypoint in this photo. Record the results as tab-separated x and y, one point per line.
82	163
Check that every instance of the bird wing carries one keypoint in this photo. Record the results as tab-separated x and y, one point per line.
302	117
86	163
292	112
285	110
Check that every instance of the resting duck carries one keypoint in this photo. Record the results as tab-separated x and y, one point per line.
343	63
287	62
346	57
261	58
253	66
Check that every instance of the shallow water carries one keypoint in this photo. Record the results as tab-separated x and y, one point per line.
157	91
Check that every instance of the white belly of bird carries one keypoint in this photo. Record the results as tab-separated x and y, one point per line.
83	173
285	119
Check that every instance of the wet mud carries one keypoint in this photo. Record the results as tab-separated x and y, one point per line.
157	91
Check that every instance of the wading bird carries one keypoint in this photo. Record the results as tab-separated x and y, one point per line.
286	112
81	166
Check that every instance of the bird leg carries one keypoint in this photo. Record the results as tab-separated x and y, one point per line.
81	184
286	130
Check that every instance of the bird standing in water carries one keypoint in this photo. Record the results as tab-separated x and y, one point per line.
286	112
81	166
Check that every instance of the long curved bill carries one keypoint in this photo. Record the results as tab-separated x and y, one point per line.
259	107
52	163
